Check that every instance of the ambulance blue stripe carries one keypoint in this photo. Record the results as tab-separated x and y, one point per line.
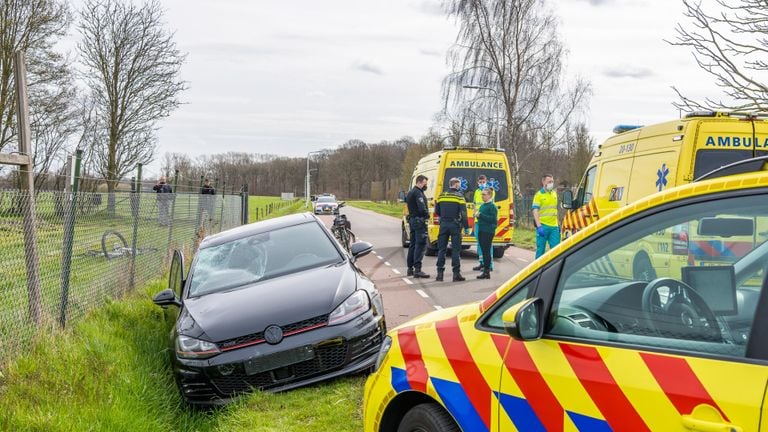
400	380
459	405
521	413
589	424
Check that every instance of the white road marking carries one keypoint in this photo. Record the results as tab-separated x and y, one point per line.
422	293
408	281
374	252
386	263
438	307
396	271
379	257
523	260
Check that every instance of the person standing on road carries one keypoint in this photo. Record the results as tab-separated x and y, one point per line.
164	198
482	184
452	210
487	219
418	215
545	215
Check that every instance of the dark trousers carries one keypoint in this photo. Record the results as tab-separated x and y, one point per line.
452	230
485	240
418	244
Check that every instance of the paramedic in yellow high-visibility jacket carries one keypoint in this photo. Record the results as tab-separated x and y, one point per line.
545	215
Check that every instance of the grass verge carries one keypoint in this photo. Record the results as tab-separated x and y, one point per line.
111	372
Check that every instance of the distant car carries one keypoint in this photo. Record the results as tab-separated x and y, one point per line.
326	204
272	305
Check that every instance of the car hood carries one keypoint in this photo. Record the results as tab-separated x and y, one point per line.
281	301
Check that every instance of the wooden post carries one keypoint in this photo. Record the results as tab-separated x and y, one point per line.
28	185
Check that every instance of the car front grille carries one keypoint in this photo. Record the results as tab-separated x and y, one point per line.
327	358
258	337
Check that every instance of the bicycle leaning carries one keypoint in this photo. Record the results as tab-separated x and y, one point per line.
341	230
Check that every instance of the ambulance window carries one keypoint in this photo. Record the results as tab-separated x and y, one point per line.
494	319
710	160
468	178
661	281
585	194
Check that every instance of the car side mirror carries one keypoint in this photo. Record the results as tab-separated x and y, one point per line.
176	273
567	199
401	196
166	298
361	248
523	321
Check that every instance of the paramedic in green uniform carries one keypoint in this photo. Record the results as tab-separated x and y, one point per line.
482	184
545	215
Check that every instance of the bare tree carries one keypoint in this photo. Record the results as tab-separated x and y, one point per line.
33	26
510	52
132	70
730	44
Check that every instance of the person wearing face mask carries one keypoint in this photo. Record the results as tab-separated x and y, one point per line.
545	215
418	215
482	184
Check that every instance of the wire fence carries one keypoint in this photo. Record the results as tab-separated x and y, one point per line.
90	247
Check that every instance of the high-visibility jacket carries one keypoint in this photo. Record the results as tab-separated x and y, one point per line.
546	203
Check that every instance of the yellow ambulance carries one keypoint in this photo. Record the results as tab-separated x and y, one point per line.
466	164
640	161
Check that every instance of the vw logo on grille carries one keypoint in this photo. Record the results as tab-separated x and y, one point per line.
273	334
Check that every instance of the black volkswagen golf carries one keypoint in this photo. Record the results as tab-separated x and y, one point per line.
272	305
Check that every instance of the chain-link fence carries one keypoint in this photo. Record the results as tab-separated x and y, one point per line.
89	247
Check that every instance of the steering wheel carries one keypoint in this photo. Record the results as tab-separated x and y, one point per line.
685	315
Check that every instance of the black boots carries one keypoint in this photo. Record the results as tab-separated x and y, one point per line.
477	267
484	275
420	274
409	272
457	277
439	277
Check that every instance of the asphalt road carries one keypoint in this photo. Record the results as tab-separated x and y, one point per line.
406	298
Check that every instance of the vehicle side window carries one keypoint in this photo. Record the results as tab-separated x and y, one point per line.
585	192
686	279
494	319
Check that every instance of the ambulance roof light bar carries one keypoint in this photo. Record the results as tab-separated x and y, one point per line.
625	128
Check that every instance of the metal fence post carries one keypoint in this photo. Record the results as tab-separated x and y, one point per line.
244	203
135	201
223	202
70	208
173	213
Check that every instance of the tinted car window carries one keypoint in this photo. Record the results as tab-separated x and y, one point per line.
261	256
326	200
468	178
709	160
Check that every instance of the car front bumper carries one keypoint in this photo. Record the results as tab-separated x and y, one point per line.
338	350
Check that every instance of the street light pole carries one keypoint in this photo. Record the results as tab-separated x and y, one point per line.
306	189
498	112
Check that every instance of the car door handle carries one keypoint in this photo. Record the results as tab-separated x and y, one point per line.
698	425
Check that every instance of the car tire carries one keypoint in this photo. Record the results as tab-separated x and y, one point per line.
642	270
404	237
498	252
427	417
431	249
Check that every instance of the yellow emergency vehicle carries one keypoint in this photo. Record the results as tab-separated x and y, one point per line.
466	164
640	161
559	348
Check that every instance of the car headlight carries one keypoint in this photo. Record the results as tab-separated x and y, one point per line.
191	348
354	306
386	344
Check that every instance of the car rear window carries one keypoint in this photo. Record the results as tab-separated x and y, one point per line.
261	256
468	178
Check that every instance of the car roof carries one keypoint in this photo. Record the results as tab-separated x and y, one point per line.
257	228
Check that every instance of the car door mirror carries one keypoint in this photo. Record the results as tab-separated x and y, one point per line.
401	196
176	274
523	321
166	298
567	199
361	248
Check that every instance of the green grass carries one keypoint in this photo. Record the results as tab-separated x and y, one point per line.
394	209
524	237
259	207
111	372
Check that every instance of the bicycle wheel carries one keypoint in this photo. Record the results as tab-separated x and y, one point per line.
107	234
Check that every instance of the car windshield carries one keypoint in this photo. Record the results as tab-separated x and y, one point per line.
326	200
260	257
497	179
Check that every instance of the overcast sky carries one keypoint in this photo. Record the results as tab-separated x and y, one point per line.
287	77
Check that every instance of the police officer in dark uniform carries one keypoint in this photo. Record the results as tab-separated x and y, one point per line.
418	215
452	210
